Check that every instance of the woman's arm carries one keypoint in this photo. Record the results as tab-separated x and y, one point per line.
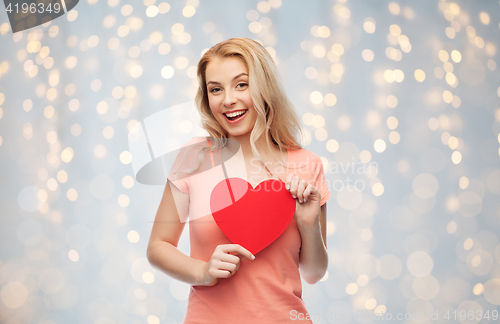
313	261
162	249
311	222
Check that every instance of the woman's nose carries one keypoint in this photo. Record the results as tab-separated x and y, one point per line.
229	99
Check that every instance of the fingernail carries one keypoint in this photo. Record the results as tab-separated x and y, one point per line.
294	196
287	186
300	201
253	257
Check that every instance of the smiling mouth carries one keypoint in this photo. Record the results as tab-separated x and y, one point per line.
236	117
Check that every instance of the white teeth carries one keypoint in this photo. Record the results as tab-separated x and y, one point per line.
236	113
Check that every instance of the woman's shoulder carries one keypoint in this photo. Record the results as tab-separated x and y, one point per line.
194	146
187	155
304	154
304	161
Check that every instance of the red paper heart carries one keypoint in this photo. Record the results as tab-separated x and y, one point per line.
252	217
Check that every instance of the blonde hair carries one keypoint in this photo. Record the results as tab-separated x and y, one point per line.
276	116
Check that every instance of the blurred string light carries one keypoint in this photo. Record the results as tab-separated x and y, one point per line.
79	203
425	185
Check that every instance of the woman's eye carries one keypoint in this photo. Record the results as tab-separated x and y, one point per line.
215	90
242	85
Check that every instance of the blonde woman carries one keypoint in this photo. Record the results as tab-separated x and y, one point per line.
241	100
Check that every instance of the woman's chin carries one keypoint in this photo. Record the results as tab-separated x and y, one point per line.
238	134
234	133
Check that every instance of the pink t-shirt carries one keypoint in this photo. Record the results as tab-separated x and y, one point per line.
265	290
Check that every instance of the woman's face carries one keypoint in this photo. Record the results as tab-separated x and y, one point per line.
228	92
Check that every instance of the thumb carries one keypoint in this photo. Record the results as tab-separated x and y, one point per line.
314	195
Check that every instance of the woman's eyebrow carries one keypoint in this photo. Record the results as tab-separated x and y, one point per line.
236	77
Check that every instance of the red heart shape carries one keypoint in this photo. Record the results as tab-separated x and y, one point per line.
252	217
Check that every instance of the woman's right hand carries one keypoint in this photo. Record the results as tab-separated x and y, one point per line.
224	263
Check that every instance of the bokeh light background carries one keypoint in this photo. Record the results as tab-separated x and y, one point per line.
399	99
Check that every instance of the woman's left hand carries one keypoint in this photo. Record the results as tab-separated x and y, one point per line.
308	199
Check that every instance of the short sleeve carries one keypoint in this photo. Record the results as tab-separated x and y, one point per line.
320	180
181	184
176	176
185	163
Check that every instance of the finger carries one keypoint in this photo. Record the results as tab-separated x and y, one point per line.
220	273
307	192
229	257
221	265
300	190
288	180
314	193
238	249
293	186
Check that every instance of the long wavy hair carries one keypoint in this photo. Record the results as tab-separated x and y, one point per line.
276	120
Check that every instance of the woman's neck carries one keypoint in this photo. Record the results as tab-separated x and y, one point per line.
244	142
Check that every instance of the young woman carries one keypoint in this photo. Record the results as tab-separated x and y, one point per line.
229	284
